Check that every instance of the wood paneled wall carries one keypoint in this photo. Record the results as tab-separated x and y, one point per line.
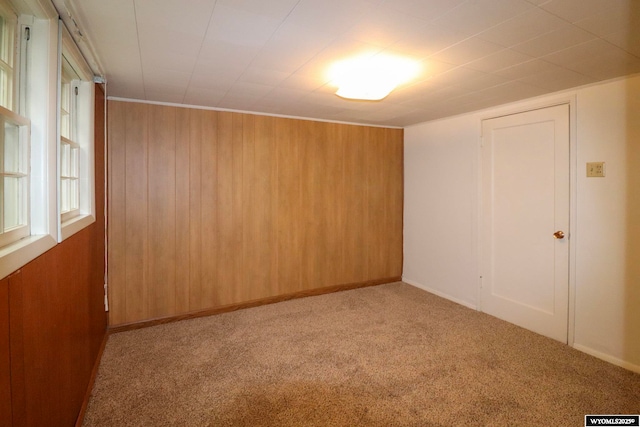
208	208
56	320
5	356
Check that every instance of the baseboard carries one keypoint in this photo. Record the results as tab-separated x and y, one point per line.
608	358
602	356
440	294
249	304
92	380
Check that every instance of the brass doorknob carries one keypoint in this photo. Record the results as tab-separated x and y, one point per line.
558	235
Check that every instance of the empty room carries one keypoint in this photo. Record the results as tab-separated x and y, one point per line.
319	213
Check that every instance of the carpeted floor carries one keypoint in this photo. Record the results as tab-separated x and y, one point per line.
389	355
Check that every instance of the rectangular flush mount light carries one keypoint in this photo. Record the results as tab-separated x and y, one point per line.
371	78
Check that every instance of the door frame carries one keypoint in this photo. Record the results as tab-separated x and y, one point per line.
523	107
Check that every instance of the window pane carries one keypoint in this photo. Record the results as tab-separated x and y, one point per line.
65	125
12	152
74	190
5	40
75	166
67	113
65	155
65	122
7	28
64	94
12	201
6	88
64	195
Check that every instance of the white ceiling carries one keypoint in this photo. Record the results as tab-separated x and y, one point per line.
272	56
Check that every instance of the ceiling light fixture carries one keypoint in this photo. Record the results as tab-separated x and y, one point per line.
371	78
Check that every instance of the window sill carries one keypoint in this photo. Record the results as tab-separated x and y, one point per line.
16	255
75	224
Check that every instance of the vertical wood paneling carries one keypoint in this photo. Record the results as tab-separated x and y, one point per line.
118	217
17	349
183	206
209	210
136	235
288	208
250	193
98	317
196	119
162	211
354	202
237	169
40	285
243	207
71	299
375	215
51	342
54	324
225	282
260	252
313	241
333	198
395	198
5	357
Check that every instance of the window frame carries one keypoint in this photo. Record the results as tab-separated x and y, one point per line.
81	138
22	229
69	148
18	147
36	75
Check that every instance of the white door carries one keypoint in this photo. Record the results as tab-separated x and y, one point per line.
525	212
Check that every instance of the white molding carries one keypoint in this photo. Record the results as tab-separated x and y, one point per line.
573	214
255	113
608	358
549	100
584	349
439	293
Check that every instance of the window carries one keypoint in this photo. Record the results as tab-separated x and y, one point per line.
14	139
28	143
75	148
39	147
14	186
69	148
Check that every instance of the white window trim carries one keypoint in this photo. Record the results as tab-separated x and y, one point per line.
85	138
41	111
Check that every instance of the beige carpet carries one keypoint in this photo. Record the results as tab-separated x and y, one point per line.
389	355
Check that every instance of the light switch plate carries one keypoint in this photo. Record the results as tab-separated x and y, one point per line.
595	169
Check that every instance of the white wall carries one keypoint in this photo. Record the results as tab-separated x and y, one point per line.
440	205
442	201
607	311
